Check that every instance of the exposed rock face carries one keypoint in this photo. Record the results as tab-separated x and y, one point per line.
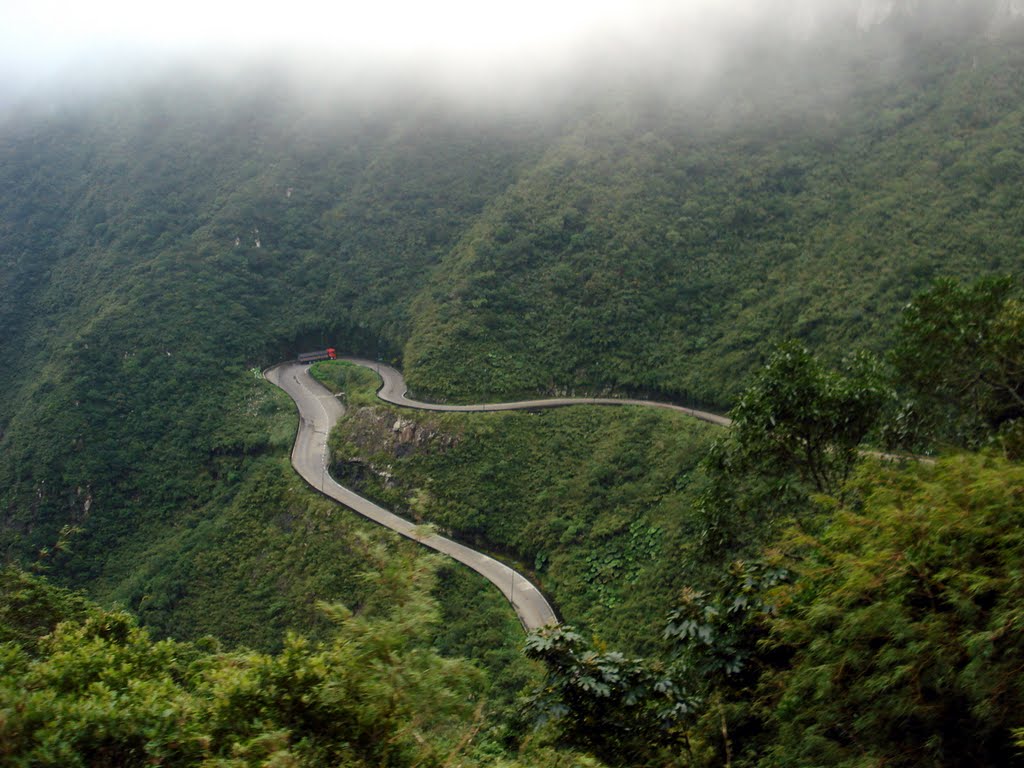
377	431
407	431
378	436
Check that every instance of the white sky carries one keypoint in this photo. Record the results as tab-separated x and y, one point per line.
43	38
46	31
40	29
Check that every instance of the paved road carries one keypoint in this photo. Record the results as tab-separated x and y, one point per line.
393	390
319	410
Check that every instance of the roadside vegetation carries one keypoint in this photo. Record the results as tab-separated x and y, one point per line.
803	599
863	610
85	686
767	595
591	502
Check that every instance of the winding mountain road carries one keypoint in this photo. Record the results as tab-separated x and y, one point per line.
319	411
394	390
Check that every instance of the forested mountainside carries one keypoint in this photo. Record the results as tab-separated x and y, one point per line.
657	250
160	243
135	318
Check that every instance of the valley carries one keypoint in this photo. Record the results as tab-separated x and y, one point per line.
752	266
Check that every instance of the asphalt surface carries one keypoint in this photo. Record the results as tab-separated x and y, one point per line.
393	390
319	410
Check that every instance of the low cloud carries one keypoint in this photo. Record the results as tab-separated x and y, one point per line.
458	43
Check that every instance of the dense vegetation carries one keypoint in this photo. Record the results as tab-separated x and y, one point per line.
134	431
866	616
159	244
874	619
83	686
594	502
880	632
648	250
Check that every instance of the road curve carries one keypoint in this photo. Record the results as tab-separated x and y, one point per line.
319	410
393	390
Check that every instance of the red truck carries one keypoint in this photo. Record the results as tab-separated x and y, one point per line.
320	354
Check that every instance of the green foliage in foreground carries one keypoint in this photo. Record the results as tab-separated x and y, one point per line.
97	690
663	711
31	609
799	415
886	630
605	702
880	626
796	431
906	620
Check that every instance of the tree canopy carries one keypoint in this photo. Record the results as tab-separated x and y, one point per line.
93	688
959	357
905	620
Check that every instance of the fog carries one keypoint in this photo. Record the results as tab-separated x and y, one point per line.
469	44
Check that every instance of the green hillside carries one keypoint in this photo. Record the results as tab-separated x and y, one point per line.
594	502
657	250
135	319
633	241
631	234
630	241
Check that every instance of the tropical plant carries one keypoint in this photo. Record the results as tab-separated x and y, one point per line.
906	621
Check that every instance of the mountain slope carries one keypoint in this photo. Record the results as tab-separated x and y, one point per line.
654	254
158	243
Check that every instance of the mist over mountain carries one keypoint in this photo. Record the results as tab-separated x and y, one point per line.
629	228
506	202
499	54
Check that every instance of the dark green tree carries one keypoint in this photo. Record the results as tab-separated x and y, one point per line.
799	415
96	690
796	431
626	711
906	616
716	638
959	360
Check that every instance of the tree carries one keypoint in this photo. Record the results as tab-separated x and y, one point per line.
626	711
717	639
799	415
796	431
959	359
906	619
98	691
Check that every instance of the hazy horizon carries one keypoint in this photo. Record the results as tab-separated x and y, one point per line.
459	45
